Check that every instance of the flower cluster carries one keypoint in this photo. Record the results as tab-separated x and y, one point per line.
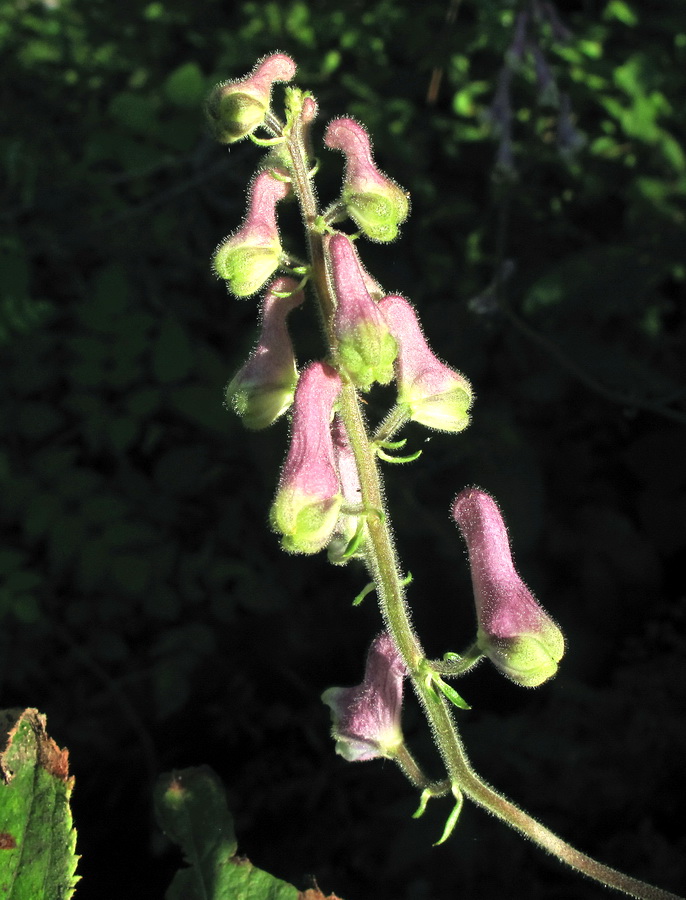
374	338
329	494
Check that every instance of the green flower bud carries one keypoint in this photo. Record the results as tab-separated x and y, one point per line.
308	499
246	268
434	394
376	204
514	631
249	258
236	108
366	347
263	388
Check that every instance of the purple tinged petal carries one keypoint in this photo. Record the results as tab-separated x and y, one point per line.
373	200
263	388
247	259
366	718
366	347
352	139
514	631
236	108
308	499
347	525
435	395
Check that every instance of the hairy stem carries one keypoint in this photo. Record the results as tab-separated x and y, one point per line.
383	564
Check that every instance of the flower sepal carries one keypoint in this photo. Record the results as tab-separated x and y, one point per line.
366	718
235	109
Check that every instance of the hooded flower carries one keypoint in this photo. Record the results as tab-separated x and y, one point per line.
516	634
373	201
250	257
308	499
366	718
263	388
365	345
434	394
348	523
236	108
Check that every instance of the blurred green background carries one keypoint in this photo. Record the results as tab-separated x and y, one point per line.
145	606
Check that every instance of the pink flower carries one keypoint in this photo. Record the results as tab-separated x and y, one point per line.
250	257
373	201
434	394
365	345
516	634
236	108
308	499
348	522
263	388
366	718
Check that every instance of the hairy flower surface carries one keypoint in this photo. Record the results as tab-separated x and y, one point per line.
514	631
263	388
434	394
347	527
308	499
366	718
365	344
236	108
247	259
376	204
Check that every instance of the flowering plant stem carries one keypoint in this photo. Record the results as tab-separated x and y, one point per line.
381	559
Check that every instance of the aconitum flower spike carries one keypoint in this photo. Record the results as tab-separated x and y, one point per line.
263	388
373	201
434	394
366	718
514	632
366	348
247	259
236	108
308	499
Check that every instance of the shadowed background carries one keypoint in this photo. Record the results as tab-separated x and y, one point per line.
144	605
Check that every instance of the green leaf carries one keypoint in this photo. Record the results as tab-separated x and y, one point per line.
186	86
191	808
451	694
37	839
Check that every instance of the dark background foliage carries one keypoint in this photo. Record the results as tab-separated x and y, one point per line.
144	605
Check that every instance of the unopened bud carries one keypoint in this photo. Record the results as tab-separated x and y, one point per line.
514	631
263	388
366	718
308	499
376	204
435	395
236	108
366	348
247	259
